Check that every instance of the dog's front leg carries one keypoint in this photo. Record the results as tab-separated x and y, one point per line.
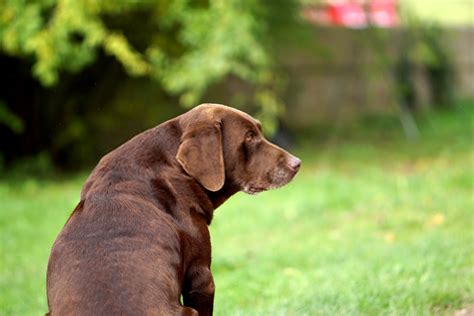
198	291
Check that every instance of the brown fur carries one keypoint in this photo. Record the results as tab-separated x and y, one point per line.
138	240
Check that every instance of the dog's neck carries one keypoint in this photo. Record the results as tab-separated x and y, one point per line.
222	195
180	192
153	155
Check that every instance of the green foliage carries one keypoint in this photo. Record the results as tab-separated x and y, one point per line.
184	45
10	120
39	166
374	226
424	47
421	48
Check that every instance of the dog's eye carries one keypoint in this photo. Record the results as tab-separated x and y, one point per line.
250	136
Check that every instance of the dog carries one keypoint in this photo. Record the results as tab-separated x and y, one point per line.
138	242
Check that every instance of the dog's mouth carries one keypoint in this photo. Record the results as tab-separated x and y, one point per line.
253	190
275	179
280	177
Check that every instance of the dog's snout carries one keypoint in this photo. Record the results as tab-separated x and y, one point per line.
294	163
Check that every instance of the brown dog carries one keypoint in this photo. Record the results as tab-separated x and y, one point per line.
138	240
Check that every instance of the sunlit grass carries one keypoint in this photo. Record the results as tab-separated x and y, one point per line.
373	225
453	12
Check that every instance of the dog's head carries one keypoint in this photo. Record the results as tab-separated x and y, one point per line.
221	145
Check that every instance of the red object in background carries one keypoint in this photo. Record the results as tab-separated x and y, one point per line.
345	13
354	14
384	13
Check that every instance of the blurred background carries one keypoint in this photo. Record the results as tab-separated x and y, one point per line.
376	96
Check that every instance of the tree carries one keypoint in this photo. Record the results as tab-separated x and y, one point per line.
184	45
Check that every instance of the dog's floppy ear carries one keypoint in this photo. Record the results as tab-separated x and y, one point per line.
200	154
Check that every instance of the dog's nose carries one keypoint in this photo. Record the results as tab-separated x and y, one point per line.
294	163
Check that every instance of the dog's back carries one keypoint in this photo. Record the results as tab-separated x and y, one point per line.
104	262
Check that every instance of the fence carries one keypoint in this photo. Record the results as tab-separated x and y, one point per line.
346	77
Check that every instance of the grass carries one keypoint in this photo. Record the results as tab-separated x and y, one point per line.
448	13
373	225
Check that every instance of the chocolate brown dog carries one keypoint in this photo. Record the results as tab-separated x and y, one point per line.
138	240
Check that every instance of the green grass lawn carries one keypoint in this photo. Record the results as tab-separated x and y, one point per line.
373	225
